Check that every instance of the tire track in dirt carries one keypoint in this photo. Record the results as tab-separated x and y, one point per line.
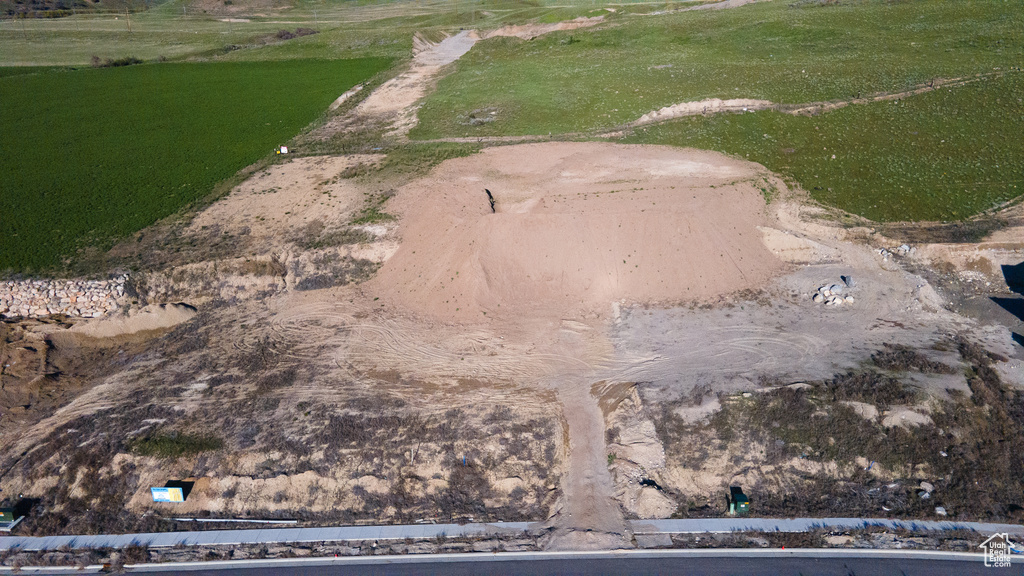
724	350
316	331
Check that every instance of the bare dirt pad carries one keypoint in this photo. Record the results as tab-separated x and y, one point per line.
576	227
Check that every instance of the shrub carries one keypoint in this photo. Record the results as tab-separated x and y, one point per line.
871	387
900	358
111	63
134	554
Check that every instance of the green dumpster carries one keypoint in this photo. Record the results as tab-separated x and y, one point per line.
742	504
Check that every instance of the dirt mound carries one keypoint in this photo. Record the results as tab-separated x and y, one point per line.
724	4
152	317
576	226
701	107
531	31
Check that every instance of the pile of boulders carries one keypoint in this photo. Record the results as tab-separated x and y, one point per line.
833	294
77	298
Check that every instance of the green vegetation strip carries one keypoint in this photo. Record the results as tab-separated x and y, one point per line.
94	155
943	155
174	445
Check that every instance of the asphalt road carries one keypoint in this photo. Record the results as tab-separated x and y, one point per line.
642	566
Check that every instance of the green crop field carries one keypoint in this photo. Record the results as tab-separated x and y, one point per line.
93	155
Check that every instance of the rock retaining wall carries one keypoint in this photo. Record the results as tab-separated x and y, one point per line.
79	298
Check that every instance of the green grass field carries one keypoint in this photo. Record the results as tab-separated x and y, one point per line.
585	81
106	152
775	51
943	155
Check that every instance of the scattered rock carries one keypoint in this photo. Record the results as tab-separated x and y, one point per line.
940	511
831	294
927	486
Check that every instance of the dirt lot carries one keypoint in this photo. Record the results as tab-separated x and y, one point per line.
460	363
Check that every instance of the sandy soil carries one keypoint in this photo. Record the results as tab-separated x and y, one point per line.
725	4
576	227
281	199
702	107
153	317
